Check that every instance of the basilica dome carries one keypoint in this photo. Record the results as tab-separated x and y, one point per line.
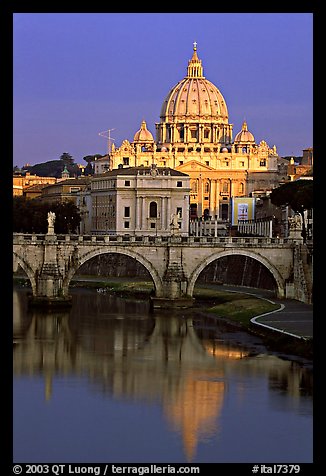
244	135
194	98
143	135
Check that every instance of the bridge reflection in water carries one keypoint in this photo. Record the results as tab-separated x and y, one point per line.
131	354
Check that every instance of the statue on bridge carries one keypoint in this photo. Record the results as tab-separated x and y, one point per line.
174	225
51	220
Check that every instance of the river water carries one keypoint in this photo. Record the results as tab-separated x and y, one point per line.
111	381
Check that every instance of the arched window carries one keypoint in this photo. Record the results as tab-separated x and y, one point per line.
153	210
241	187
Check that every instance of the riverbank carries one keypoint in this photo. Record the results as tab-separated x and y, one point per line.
234	307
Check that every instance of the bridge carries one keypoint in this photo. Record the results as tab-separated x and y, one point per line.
174	263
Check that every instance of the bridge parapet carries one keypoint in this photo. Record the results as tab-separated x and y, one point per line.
128	240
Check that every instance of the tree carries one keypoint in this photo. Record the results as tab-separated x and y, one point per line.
298	195
67	158
30	216
89	169
67	217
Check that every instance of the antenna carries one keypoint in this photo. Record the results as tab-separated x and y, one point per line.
107	135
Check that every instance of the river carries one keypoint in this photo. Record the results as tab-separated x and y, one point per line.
110	381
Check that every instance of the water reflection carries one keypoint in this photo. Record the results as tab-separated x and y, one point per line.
188	367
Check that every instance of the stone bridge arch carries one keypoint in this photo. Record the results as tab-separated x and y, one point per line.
30	272
251	254
75	264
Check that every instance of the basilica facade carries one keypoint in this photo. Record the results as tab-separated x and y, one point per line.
194	137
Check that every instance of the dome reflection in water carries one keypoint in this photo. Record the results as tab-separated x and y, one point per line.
109	381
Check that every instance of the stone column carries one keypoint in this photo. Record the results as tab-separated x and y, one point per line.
138	212
200	197
144	214
185	214
217	203
162	214
212	198
168	213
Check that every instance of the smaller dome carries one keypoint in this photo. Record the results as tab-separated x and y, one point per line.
225	149
244	135
143	135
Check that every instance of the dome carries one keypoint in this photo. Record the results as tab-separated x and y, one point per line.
194	97
244	135
143	135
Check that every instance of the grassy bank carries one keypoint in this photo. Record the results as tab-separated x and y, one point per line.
122	286
240	308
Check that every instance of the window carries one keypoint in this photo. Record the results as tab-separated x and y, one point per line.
127	212
193	210
263	163
225	211
127	183
180	162
125	160
127	224
152	225
179	212
194	186
153	210
179	183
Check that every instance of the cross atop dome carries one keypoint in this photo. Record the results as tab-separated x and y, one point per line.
195	69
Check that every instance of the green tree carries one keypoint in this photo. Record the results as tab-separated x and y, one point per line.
67	217
298	195
89	169
67	158
30	216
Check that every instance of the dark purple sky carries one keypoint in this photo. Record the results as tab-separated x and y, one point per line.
78	74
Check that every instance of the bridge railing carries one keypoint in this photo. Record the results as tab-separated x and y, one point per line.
20	238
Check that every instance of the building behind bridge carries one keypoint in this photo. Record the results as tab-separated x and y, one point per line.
194	136
194	142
